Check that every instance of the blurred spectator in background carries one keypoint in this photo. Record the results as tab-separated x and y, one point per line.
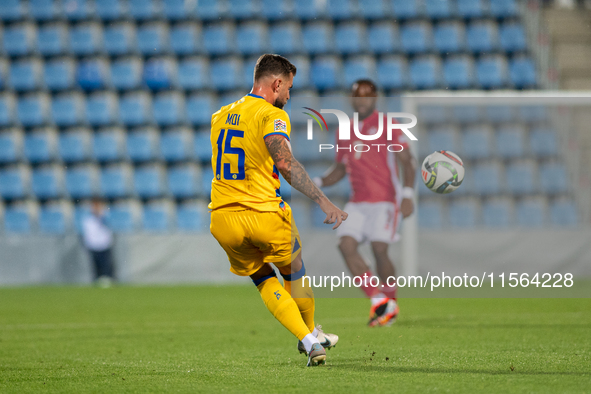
98	240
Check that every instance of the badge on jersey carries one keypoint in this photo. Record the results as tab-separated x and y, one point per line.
280	125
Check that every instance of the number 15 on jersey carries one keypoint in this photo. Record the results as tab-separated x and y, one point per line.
227	152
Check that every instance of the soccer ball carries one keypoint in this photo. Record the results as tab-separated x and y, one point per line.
442	171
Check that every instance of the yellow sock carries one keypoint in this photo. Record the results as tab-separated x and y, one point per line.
279	302
304	298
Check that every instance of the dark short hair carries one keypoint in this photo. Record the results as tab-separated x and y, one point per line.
367	82
269	64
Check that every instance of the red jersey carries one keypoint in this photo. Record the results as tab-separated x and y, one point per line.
372	169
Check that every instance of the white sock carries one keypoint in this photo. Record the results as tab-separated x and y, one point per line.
377	298
315	332
308	341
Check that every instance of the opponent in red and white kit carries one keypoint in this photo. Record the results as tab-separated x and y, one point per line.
379	200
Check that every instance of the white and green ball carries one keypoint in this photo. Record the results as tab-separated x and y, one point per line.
442	171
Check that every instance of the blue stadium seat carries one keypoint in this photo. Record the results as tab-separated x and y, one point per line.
160	73
302	78
206	179
522	177
80	212
392	72
504	8
358	68
158	216
383	38
191	217
149	181
20	219
184	181
202	144
532	212
471	9
135	109
274	10
488	178
406	9
153	38
211	10
12	10
86	38
318	38
48	182
143	10
11	145
416	37
193	73
7	106
543	142
243	9
433	114
374	9
425	72
491	72
82	181
169	108
199	108
326	72
458	72
177	144
252	38
75	145
67	109
512	37
482	36
19	39
553	178
522	72
464	212
499	113
350	38
430	213
219	39
101	108
25	75
15	182
93	73
33	109
52	39
226	74
143	144
309	9
124	216
498	212
116	181
76	10
465	114
563	212
55	218
185	38
533	113
449	37
339	10
301	210
286	38
126	73
120	38
285	188
4	66
511	141
443	138
59	73
439	9
109	10
477	142
175	10
109	144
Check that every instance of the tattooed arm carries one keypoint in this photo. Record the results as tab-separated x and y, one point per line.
295	174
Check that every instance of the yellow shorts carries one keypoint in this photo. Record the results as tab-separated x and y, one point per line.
252	238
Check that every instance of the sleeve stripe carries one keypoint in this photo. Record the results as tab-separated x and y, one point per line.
277	133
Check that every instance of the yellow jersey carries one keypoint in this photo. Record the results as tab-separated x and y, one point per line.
243	170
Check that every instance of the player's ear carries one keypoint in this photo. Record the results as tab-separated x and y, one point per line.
276	85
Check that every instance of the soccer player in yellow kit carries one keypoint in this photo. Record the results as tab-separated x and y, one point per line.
250	141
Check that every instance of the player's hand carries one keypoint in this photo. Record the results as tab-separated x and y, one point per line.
407	207
333	213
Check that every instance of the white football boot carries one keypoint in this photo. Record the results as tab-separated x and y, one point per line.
326	340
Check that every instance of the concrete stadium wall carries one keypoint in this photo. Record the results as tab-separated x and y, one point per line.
197	258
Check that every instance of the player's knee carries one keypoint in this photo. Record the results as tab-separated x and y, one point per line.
347	245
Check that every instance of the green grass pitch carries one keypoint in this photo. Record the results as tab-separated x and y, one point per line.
213	339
